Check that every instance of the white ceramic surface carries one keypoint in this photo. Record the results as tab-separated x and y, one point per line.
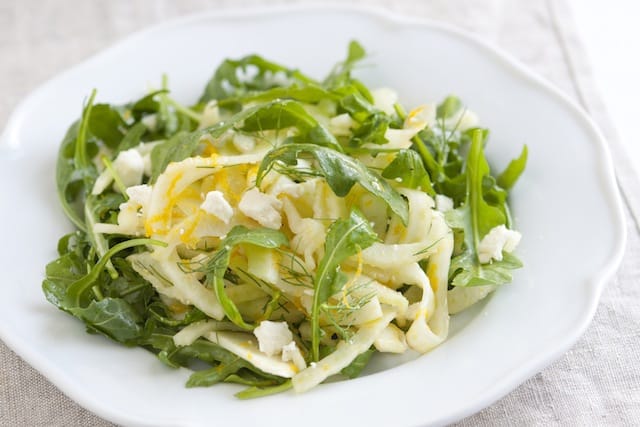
566	205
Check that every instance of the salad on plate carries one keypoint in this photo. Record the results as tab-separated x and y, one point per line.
283	229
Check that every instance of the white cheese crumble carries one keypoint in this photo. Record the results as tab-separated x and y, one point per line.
443	203
215	204
129	166
272	336
499	239
264	208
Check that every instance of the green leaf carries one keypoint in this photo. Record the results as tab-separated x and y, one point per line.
356	52
341	72
472	273
450	106
177	148
217	264
254	392
408	167
483	217
357	105
310	94
510	175
282	114
74	172
80	286
354	369
113	317
475	218
148	104
372	130
345	238
107	124
133	137
249	378
70	267
211	376
226	81
341	172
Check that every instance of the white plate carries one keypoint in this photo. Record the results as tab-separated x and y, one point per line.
566	205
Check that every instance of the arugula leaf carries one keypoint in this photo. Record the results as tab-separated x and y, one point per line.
148	104
250	378
355	368
354	103
216	266
483	217
76	289
345	238
408	167
471	273
475	218
510	175
74	172
106	124
132	138
70	267
342	71
211	376
372	130
340	171
227	83
177	148
113	317
282	114
450	106
254	392
278	114
309	93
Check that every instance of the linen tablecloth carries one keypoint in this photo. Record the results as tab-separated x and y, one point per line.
596	383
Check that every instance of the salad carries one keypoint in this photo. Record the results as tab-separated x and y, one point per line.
283	229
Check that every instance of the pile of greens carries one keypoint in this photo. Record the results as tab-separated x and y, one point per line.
92	280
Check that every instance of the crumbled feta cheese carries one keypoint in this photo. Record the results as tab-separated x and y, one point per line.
140	194
443	203
384	99
291	353
150	121
264	208
272	336
216	205
499	239
247	74
243	143
129	166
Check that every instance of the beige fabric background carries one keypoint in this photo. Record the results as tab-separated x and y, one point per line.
595	383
